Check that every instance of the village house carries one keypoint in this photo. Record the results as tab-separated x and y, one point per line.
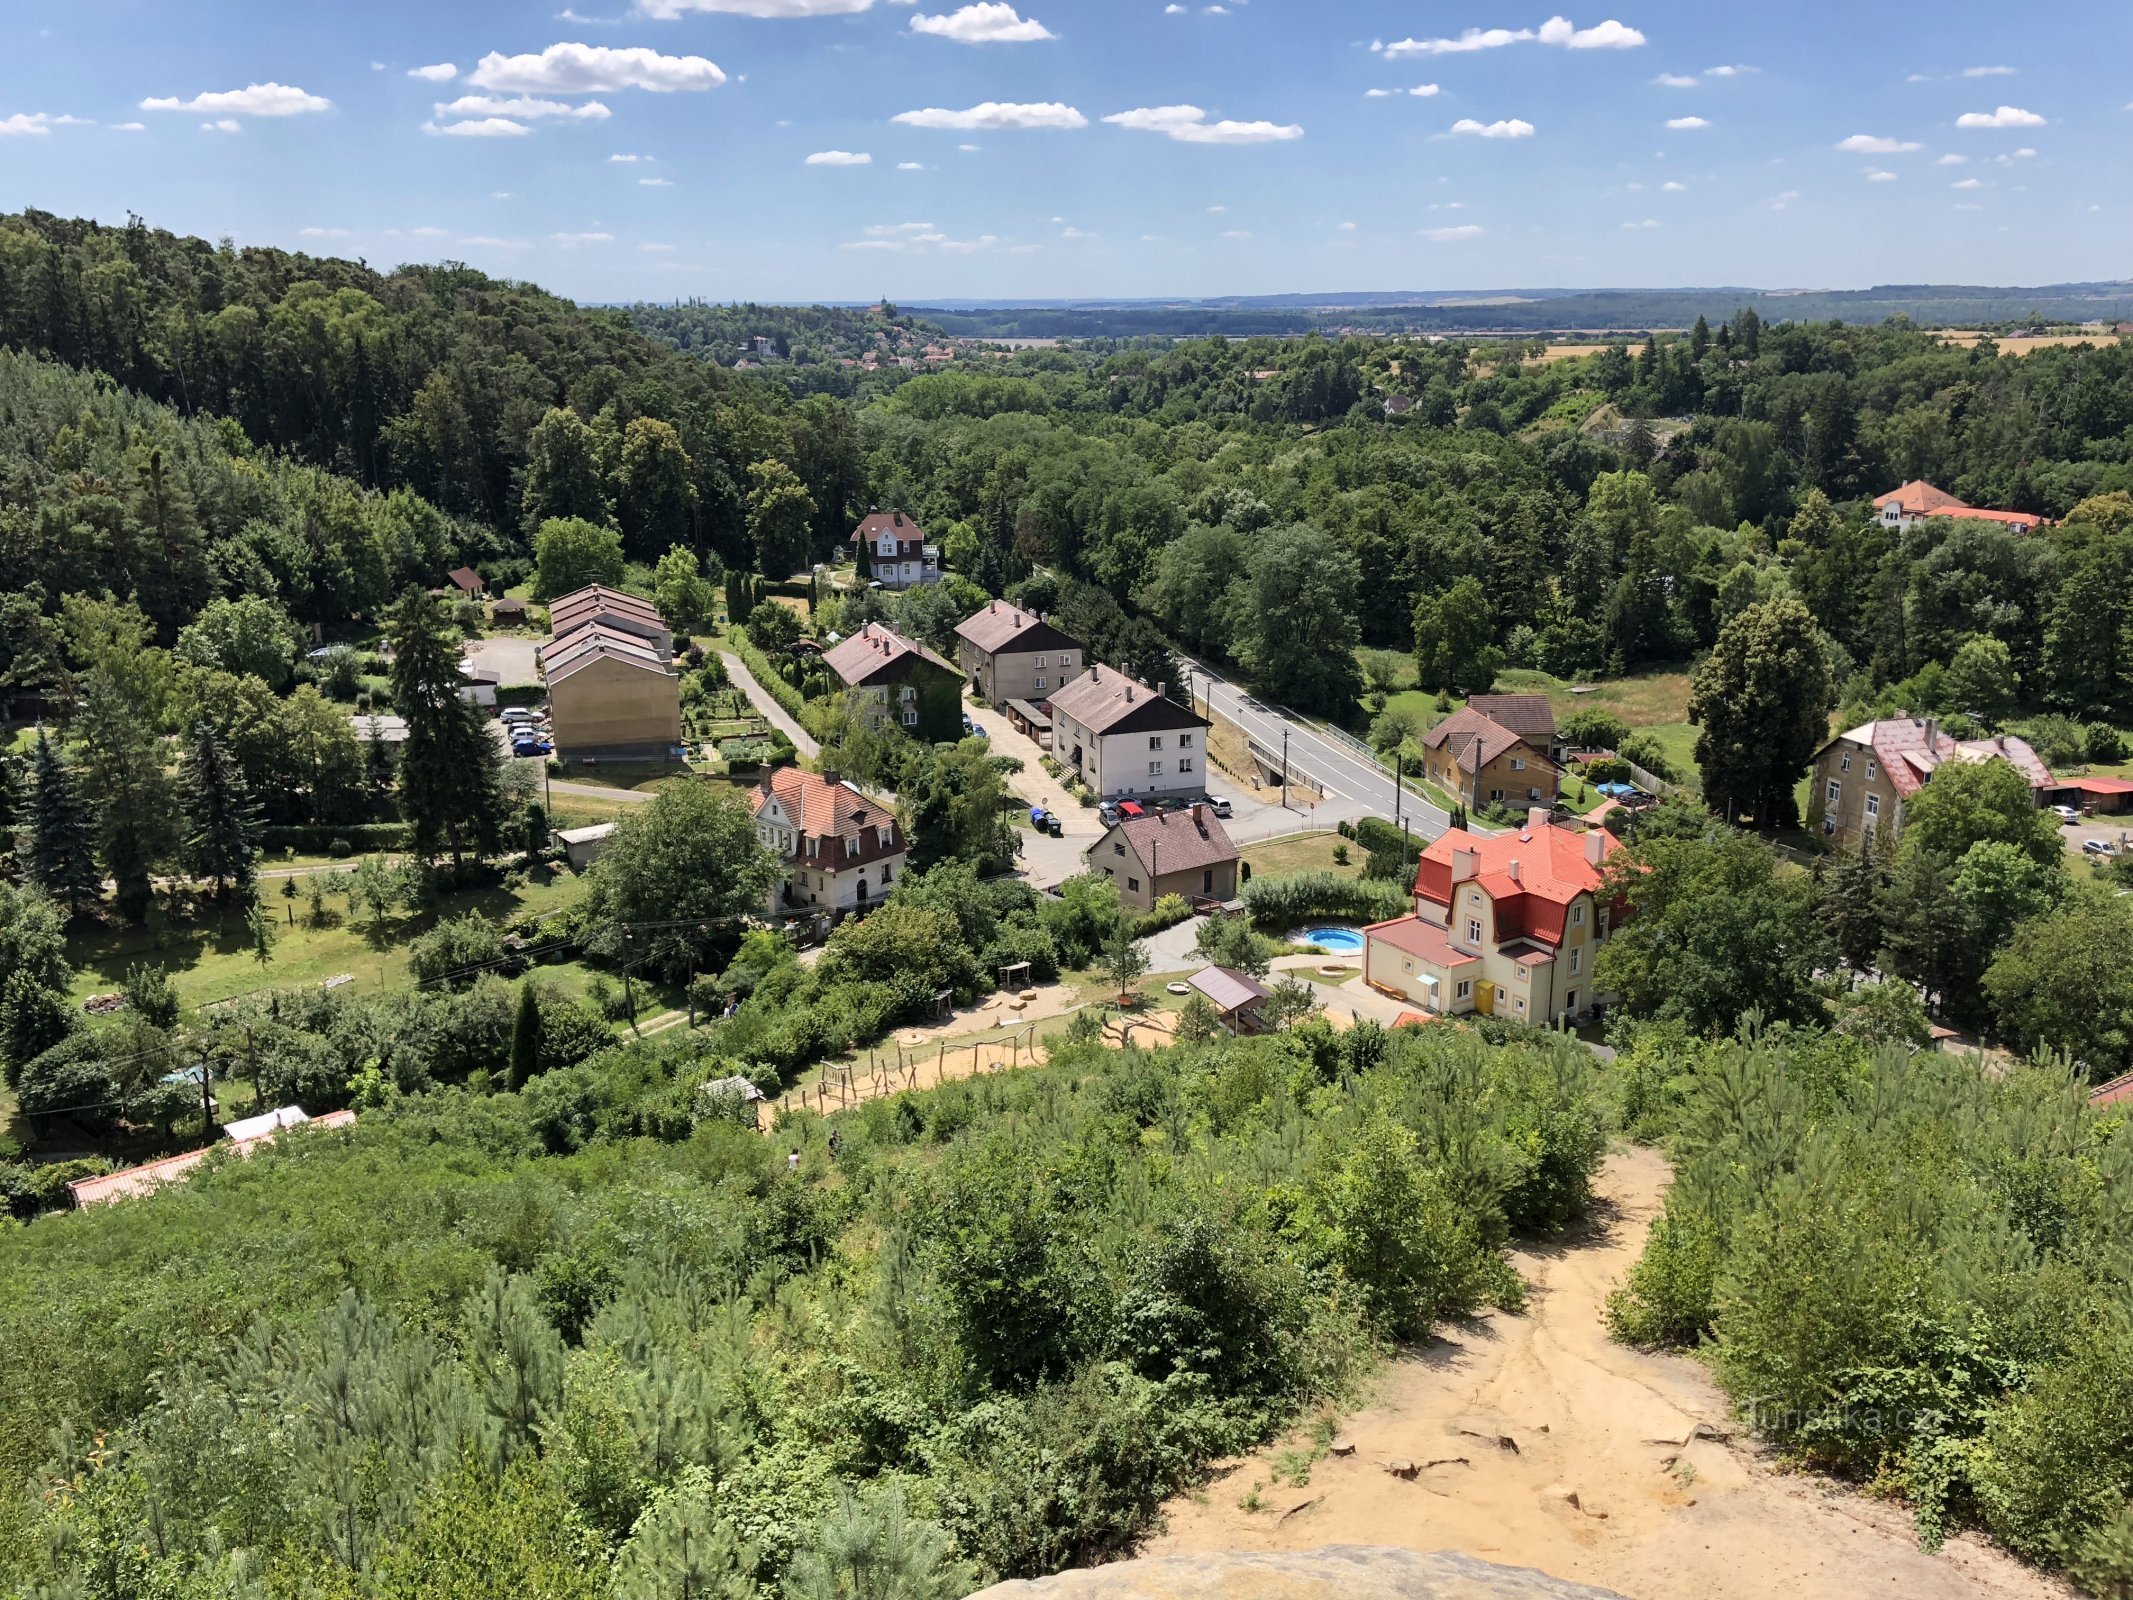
1010	654
1904	508
1125	740
612	691
842	852
1505	925
894	551
889	681
1862	778
1481	762
467	582
1186	853
1530	716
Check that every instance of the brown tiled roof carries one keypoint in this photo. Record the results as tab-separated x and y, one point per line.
877	523
825	812
597	598
1473	740
591	642
1919	498
873	651
1229	989
1178	841
1101	699
1000	625
1530	716
466	580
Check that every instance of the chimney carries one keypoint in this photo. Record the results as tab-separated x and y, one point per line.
1595	847
1129	693
1512	869
1159	688
1465	864
1933	735
1199	816
832	777
1536	818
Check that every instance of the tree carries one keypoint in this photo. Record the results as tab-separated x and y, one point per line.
1929	936
122	765
1198	1022
684	596
1592	728
1981	680
1124	962
655	495
1968	802
1714	930
2063	982
1999	886
1760	701
249	636
780	514
1455	648
1194	587
259	933
56	853
569	553
563	473
451	792
952	804
526	1036
1229	941
1851	904
870	1547
1296	631
221	823
690	857
34	978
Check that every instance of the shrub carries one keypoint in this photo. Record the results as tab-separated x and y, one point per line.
455	951
2106	744
1289	902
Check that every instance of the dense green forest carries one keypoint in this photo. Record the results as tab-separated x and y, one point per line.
547	1314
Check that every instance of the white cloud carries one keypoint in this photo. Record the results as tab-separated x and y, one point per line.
1238	233
910	166
25	123
1173	11
1674	80
479	128
1686	124
591	69
1879	175
1216	211
1673	188
322	233
1969	183
668	10
1513	128
441	72
990	22
1876	144
482	241
1952	160
1988	72
254	100
428	233
222	125
582	238
1780	202
839	158
1347	227
1465	230
1378	94
1423	91
1609	35
1075	233
1189	125
656	248
129	127
2003	117
627	159
523	107
1729	71
996	114
1472	39
970	147
1648	222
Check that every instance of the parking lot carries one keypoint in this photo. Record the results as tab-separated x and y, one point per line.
2114	831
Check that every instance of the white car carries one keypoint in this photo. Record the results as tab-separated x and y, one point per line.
1219	806
2066	814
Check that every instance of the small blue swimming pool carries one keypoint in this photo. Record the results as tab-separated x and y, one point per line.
1345	941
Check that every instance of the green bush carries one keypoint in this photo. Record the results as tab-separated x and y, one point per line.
1284	904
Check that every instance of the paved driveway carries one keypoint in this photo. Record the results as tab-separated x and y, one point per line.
511	659
2112	830
777	716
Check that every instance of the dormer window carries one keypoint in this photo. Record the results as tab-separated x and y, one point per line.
851	846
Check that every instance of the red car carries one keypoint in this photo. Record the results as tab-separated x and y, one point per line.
1130	808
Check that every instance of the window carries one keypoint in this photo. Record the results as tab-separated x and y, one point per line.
1185	765
851	847
1066	661
1844	762
1466	988
1577	960
1184	741
1521	971
1473	930
1834	793
1872	772
1156	743
1495	794
1577	916
888	873
1873	805
1570	1001
907	694
910	719
1118	849
1040	663
1207	881
1133	883
1533	794
1517	765
1408	967
1521	1005
1040	680
884	835
1155	769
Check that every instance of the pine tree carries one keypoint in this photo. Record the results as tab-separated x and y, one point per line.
451	791
1851	904
517	1358
681	1549
221	822
56	853
526	1036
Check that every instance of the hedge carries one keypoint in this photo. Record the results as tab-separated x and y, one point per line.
317	839
767	675
1289	902
521	694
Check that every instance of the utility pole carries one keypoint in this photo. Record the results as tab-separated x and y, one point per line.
1284	766
207	1096
1399	771
628	994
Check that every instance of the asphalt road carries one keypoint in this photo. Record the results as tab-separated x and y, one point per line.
1340	769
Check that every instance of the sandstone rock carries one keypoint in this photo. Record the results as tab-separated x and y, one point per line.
1337	1572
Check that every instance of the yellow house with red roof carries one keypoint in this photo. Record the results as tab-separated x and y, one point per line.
1506	925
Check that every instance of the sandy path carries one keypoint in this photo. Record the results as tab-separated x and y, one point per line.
1658	1521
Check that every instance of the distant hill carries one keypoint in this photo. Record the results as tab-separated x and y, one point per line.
1528	311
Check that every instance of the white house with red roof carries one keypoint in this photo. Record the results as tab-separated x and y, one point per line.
894	550
1506	925
1903	508
841	849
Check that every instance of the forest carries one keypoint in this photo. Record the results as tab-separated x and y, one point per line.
551	1315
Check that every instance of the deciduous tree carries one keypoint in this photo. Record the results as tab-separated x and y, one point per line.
1760	701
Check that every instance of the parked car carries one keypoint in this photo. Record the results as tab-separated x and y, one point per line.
1107	813
2066	814
2099	847
516	715
1219	806
531	747
1131	808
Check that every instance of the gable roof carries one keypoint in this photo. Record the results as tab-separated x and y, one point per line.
1531	876
596	599
1472	739
821	808
1001	627
1912	749
466	580
1530	716
594	641
1229	989
876	523
876	652
1174	841
1919	498
1104	700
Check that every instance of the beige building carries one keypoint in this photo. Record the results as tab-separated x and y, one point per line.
1011	654
842	851
1506	925
1862	778
612	692
1479	762
1185	853
1125	740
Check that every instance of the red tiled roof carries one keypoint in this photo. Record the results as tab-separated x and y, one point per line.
1412	936
1530	876
823	810
1000	625
1473	739
2118	1089
2104	785
1919	498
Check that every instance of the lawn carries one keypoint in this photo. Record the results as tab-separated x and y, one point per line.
1311	852
620	774
209	961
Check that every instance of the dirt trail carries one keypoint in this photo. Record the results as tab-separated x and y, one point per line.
1655	1518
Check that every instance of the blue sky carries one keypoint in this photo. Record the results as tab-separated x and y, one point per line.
660	148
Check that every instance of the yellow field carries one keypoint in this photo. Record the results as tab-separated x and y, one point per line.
2023	346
